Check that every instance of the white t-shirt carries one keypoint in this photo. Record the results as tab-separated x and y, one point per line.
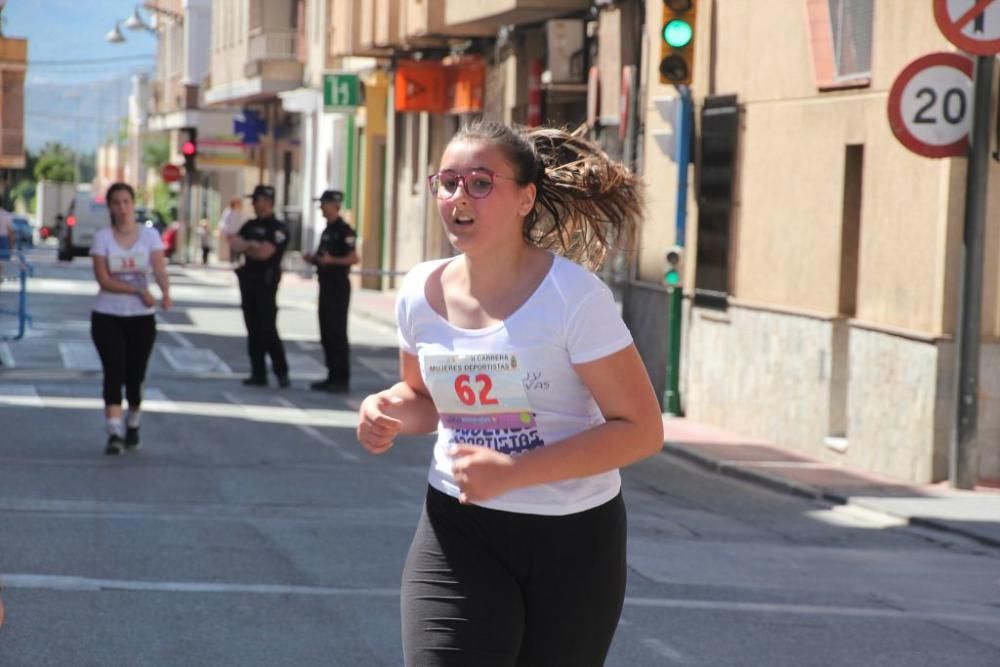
231	221
129	265
6	233
512	386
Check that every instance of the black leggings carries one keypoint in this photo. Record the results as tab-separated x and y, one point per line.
497	589
124	345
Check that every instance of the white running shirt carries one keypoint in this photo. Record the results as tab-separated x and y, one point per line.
511	386
129	265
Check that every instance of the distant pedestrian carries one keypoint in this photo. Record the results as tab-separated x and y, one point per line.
229	226
205	240
333	259
262	242
122	323
518	358
8	235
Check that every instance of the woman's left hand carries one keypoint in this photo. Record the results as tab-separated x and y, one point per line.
166	302
481	473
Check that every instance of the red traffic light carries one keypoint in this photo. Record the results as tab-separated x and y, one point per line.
189	148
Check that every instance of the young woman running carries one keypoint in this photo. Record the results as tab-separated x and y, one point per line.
122	323
519	359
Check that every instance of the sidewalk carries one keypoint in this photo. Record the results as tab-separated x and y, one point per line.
972	514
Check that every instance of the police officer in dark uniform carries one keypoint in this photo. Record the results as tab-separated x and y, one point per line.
262	242
333	259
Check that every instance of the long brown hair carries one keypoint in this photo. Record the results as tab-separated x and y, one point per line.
585	202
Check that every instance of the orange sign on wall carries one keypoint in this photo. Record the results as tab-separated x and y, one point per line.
454	86
468	82
421	86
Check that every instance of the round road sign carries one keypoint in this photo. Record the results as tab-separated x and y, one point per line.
170	173
971	25
930	105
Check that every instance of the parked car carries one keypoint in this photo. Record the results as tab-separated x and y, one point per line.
24	232
85	216
169	238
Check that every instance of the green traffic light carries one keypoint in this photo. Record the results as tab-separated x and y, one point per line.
672	277
677	33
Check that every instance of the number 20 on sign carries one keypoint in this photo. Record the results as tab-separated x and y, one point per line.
930	105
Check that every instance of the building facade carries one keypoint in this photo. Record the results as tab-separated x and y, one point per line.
826	322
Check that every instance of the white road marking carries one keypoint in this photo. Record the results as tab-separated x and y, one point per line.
180	338
188	359
80	356
664	650
86	584
316	434
25	392
387	377
810	610
6	357
259	413
852	516
304	366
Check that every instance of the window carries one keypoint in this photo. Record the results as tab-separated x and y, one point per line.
840	37
851	25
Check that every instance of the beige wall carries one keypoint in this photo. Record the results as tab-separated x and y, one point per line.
229	41
788	203
777	364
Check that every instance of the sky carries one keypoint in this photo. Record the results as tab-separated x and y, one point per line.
77	83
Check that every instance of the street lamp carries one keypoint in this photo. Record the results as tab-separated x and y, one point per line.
115	35
135	22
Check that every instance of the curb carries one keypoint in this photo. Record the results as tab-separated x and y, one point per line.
782	485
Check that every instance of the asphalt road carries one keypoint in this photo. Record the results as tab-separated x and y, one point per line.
251	529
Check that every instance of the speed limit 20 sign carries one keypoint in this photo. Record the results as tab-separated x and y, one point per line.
930	105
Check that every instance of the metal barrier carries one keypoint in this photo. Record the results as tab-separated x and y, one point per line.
15	269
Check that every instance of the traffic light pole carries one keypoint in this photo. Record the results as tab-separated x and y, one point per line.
964	460
675	292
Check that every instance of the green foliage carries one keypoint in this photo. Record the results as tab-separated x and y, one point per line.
164	200
25	191
54	167
156	152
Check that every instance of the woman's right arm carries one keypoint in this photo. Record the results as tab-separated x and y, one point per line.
107	282
402	409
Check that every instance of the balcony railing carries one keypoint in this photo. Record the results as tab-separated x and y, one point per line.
274	45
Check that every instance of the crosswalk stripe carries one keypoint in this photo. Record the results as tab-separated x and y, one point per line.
304	366
315	433
80	356
26	393
6	358
194	359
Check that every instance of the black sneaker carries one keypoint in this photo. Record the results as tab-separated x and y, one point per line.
116	446
331	387
254	381
132	441
284	382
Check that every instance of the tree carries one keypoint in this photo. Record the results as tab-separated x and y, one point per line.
156	153
25	191
53	167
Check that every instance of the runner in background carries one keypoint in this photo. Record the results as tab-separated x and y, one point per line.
122	323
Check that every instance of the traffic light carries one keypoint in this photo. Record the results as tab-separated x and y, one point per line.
677	41
674	257
189	148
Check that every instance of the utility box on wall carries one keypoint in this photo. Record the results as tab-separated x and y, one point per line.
565	50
